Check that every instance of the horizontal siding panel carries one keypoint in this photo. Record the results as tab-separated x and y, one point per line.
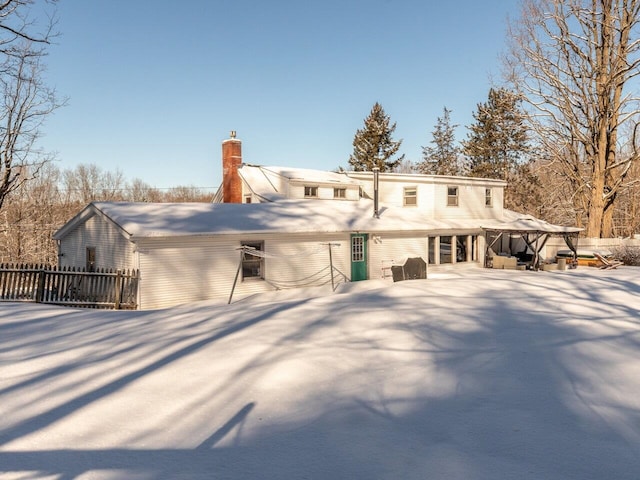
172	274
113	250
303	260
393	249
175	271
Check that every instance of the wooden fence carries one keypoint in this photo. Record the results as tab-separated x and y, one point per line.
115	289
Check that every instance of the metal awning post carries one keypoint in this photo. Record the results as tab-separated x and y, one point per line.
490	246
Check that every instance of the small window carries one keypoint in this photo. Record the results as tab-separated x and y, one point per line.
310	192
252	264
247	199
357	249
90	259
410	197
339	193
488	200
452	196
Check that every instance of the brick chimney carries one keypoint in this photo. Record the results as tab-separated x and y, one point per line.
231	160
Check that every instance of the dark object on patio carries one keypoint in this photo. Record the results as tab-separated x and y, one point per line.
524	257
413	269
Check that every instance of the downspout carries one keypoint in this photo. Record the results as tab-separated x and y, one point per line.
136	265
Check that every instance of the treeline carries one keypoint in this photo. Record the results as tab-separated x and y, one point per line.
566	115
39	207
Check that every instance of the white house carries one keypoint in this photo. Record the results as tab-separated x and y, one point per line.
280	227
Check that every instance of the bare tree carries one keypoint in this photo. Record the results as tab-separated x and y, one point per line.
140	191
30	216
88	183
572	62
26	101
406	166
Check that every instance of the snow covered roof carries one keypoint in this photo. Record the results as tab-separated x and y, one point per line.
517	222
138	220
267	182
421	178
310	175
257	181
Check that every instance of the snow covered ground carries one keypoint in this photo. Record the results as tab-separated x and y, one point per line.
483	375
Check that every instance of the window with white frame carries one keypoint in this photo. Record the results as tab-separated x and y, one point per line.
310	191
252	263
410	196
452	196
339	193
357	249
488	198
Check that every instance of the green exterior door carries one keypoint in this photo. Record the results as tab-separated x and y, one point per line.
359	256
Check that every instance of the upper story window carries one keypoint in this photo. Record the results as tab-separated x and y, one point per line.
252	263
488	199
410	196
339	193
247	199
452	196
310	192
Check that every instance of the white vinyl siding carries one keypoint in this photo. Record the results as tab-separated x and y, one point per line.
410	197
326	192
175	271
471	203
303	260
432	194
112	249
387	249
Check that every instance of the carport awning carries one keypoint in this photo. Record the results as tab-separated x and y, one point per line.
517	223
534	232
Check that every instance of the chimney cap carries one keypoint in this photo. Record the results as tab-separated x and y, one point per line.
232	134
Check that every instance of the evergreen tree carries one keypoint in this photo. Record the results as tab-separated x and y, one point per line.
442	158
373	146
498	141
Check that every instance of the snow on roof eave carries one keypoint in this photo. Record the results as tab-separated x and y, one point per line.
141	220
437	178
520	227
85	214
98	206
515	222
272	196
301	175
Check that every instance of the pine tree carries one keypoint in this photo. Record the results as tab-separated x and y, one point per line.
442	158
498	140
373	146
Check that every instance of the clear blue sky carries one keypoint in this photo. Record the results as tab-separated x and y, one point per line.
155	86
